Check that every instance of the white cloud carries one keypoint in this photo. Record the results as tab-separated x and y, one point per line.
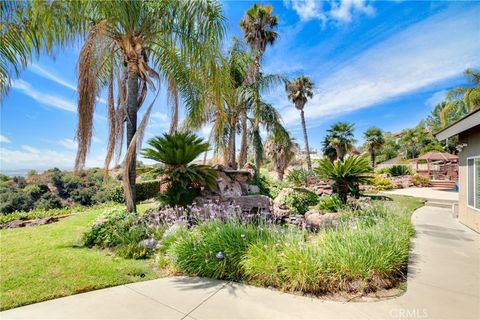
44	98
436	98
35	68
28	157
159	115
4	139
406	62
341	11
68	143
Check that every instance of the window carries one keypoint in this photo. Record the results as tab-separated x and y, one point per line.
473	182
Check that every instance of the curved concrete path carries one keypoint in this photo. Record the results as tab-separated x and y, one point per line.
443	283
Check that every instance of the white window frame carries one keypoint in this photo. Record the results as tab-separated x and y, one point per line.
474	184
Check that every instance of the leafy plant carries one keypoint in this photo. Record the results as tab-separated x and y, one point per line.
346	174
300	200
421	181
382	183
329	203
299	177
183	178
399	170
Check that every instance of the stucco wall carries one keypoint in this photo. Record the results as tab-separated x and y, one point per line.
466	215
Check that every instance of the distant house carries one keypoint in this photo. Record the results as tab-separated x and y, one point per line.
468	131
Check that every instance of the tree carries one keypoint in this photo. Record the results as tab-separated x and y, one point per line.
346	174
184	179
373	141
469	97
389	148
299	90
340	137
258	25
281	149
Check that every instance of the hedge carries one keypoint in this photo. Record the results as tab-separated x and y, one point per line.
145	190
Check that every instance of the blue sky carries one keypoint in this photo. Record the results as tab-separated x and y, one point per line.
382	64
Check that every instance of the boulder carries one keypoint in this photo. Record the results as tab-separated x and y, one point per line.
315	219
150	243
252	203
280	208
295	220
227	187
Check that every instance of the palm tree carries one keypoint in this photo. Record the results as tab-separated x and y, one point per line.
468	96
138	43
281	149
346	174
299	90
258	25
374	141
340	137
184	179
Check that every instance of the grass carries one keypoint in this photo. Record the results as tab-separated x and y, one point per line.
46	262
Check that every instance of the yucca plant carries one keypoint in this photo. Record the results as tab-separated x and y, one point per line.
184	179
346	174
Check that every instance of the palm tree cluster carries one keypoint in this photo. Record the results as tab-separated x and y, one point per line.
339	140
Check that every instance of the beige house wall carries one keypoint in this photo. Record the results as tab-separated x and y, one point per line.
467	215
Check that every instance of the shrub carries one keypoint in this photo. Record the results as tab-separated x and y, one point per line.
145	190
421	181
47	202
382	183
300	200
400	170
215	250
299	177
329	203
13	199
121	231
33	190
384	170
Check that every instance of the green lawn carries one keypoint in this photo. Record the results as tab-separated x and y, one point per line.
45	262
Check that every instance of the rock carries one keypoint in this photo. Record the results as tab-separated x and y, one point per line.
150	244
317	220
42	221
227	187
280	208
295	220
16	224
252	203
251	188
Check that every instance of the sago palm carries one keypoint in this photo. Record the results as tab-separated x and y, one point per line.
373	141
346	174
299	91
184	179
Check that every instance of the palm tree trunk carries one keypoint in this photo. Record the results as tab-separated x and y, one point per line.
232	145
132	104
372	157
305	137
242	159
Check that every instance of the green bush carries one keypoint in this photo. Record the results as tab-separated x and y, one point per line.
121	231
421	181
82	196
299	177
145	190
384	170
215	250
48	201
382	183
329	203
400	170
14	199
300	200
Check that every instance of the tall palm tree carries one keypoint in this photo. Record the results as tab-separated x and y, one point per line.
258	25
374	141
299	90
281	149
468	96
340	137
138	43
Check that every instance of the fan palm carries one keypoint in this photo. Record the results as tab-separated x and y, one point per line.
468	96
183	178
346	174
281	149
299	90
373	141
340	137
258	25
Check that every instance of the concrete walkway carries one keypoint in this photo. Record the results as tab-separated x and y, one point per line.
425	193
443	283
